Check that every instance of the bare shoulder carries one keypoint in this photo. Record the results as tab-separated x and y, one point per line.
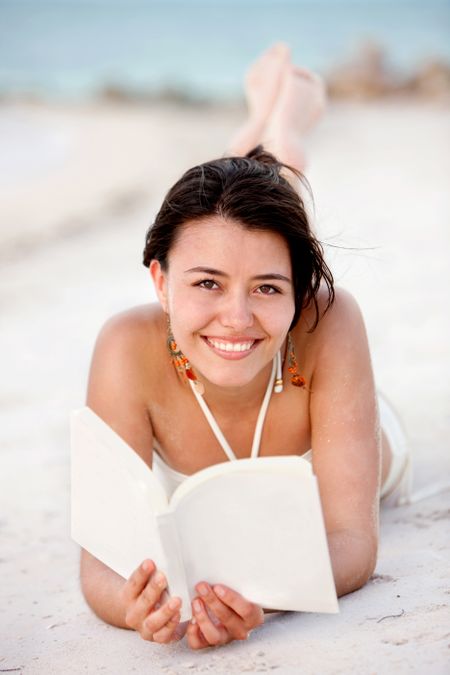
340	328
341	320
125	359
127	349
141	324
338	348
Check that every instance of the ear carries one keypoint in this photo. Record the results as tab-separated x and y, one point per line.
160	281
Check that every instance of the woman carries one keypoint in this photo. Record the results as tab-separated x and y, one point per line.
247	306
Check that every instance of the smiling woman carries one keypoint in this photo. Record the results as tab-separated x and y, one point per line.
247	307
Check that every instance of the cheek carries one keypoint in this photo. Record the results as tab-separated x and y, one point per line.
188	309
276	316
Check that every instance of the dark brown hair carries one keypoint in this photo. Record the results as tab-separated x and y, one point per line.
252	191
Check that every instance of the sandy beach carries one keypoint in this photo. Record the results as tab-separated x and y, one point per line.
78	188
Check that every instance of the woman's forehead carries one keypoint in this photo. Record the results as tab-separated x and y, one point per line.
220	238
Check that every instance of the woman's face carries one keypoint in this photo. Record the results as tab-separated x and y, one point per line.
229	294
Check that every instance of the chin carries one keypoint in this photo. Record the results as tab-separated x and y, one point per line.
227	379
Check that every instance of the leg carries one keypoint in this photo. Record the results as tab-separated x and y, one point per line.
262	86
284	103
298	108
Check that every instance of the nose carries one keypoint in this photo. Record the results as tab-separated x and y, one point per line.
236	311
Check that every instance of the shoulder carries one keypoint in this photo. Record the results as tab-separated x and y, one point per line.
123	369
137	324
132	337
340	327
127	343
343	315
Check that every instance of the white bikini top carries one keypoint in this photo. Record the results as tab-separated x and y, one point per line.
171	478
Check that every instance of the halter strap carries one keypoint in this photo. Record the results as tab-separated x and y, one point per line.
259	423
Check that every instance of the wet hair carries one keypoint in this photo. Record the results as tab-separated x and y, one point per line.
253	192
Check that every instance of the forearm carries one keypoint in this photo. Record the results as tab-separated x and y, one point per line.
102	588
353	558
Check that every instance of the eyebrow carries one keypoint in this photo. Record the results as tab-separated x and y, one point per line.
259	277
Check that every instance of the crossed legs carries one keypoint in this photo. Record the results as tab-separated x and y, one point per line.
284	102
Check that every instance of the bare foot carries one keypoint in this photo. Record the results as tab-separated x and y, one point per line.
263	81
262	87
300	104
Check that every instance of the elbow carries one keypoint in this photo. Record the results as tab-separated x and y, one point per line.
362	574
354	557
102	590
87	583
91	582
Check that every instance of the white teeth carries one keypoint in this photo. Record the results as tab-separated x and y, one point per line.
231	346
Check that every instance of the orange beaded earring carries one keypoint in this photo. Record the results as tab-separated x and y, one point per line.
296	379
181	363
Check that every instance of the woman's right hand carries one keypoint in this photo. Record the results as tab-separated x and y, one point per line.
148	610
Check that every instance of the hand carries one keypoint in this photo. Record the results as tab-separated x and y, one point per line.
221	615
147	607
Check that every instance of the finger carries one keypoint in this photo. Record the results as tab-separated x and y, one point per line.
159	618
180	630
228	617
137	581
168	632
195	637
164	597
149	596
213	634
251	613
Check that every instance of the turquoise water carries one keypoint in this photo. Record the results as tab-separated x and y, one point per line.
75	48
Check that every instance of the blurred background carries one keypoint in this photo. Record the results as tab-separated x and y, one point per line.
198	49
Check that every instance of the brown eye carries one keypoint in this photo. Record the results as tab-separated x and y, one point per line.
209	284
267	290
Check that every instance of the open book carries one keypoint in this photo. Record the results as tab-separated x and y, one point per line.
254	525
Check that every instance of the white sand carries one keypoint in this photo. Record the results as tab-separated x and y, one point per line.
78	190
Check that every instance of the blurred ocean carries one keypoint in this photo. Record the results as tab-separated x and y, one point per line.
76	48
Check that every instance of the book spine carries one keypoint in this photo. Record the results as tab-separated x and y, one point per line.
174	566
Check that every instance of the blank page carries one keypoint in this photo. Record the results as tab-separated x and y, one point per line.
114	497
258	529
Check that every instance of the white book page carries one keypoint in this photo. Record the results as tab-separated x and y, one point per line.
256	526
115	497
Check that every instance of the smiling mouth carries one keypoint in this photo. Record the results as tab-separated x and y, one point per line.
231	348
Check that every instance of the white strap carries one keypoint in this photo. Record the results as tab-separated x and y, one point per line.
263	410
259	424
213	424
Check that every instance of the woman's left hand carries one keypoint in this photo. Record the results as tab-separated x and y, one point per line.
220	615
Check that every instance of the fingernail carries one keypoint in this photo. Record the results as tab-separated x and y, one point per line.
202	589
174	603
146	566
197	605
193	620
220	591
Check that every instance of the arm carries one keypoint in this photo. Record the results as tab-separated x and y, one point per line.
102	589
117	392
113	397
346	443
